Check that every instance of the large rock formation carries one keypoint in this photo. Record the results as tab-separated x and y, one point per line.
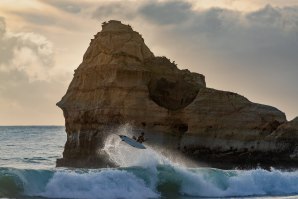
121	81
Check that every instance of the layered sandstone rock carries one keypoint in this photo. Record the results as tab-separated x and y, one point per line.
121	81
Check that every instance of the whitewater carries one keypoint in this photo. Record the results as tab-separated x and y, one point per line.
27	170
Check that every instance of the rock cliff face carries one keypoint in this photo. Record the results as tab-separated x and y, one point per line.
121	81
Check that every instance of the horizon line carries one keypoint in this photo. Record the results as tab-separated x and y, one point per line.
28	125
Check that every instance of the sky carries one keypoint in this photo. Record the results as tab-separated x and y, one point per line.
245	46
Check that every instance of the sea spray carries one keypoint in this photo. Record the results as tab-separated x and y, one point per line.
126	156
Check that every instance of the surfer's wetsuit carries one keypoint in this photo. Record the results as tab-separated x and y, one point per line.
141	138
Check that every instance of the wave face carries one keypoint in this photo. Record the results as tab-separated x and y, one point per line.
142	174
140	182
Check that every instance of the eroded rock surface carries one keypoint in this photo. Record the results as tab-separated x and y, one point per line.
121	81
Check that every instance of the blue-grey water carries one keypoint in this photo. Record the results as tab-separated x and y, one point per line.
27	170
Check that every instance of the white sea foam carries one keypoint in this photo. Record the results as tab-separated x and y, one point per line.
149	182
219	183
104	184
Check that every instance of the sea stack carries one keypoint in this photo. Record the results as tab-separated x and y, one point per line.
121	81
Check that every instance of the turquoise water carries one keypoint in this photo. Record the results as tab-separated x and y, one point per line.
27	170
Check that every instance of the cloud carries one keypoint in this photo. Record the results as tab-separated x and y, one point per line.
121	10
38	18
2	26
67	5
28	52
163	13
29	88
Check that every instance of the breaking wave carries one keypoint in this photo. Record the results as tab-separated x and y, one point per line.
139	182
144	174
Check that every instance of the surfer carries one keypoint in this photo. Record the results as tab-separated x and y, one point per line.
141	138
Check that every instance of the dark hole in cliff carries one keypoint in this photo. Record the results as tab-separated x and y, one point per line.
182	128
143	124
209	127
174	91
172	94
179	128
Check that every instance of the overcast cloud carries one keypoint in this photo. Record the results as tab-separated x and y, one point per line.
252	51
27	84
26	52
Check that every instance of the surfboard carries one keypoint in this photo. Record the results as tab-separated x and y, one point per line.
132	142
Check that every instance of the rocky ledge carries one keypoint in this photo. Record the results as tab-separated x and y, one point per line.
121	81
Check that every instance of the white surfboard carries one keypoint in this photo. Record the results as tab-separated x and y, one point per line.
132	142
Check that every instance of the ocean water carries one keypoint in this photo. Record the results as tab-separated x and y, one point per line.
27	170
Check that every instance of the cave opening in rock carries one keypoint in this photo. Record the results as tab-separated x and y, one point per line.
182	128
